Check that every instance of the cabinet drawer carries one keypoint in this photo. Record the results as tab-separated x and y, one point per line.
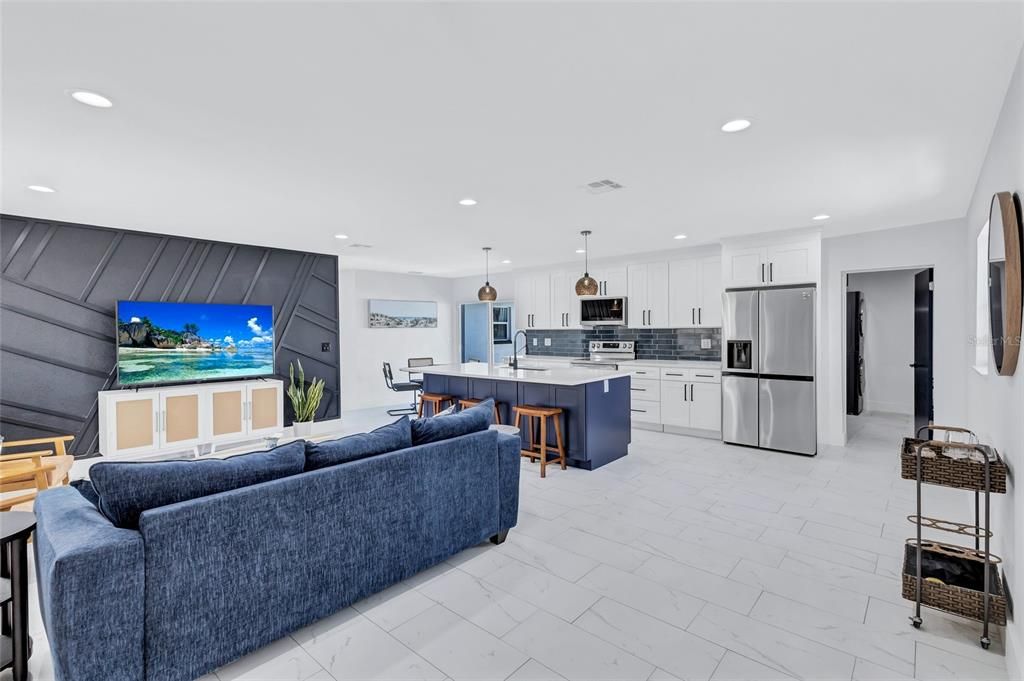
706	375
645	389
643	372
675	374
648	412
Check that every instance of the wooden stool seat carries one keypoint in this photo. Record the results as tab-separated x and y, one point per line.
540	451
466	403
436	401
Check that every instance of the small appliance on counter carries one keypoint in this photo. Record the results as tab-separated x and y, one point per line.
603	311
608	354
768	388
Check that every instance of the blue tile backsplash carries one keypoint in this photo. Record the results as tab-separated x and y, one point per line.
650	343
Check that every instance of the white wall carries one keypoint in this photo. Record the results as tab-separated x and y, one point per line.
996	403
888	339
938	245
364	349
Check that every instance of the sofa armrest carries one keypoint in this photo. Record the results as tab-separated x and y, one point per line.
509	447
91	580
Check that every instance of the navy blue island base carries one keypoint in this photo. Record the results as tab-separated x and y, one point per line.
595	416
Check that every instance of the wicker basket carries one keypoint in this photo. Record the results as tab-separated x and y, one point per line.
956	600
937	469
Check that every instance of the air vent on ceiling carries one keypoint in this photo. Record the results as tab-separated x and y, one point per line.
603	186
360	246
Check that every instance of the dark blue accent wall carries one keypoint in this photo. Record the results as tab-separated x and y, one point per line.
650	343
57	333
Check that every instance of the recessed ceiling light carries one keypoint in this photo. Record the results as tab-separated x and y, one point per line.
467	202
820	217
91	99
341	236
42	188
679	236
581	250
736	125
506	262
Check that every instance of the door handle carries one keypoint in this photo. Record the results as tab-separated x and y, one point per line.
692	316
698	314
684	393
771	274
762	273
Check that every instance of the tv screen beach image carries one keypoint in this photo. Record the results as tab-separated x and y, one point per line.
183	342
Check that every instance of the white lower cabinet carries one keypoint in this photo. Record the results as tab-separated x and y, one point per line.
174	419
677	399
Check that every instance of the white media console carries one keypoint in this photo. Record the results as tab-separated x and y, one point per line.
134	422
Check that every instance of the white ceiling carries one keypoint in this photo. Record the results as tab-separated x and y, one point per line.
283	123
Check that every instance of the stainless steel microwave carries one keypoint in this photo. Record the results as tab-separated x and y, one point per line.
603	311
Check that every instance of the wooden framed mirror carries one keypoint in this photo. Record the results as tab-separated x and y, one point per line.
1004	280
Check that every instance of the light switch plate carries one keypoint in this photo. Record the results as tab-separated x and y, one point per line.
547	342
705	343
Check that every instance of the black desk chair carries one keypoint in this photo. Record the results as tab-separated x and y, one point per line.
409	386
415	362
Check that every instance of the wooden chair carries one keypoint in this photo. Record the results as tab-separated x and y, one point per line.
540	451
466	403
28	473
59	473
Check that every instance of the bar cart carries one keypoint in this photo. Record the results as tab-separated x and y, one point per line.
960	580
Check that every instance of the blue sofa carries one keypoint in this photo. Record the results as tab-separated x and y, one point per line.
204	581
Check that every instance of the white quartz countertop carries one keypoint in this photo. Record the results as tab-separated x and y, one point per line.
542	360
554	375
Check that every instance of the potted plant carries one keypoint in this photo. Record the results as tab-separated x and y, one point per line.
305	401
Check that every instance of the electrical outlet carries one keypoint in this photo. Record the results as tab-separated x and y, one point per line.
705	343
325	347
535	342
547	342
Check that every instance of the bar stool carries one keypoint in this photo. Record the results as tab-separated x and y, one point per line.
540	451
468	402
436	401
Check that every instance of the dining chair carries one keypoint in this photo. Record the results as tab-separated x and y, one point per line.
415	362
400	387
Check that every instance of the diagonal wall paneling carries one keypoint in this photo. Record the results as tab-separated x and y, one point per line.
58	286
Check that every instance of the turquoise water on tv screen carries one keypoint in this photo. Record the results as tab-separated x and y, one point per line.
183	342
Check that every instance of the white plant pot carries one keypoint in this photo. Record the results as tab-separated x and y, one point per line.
302	428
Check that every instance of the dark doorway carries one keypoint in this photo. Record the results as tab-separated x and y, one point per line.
924	411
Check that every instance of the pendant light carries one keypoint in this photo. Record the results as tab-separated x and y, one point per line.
487	292
586	285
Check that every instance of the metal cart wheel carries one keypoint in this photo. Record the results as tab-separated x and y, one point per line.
985	642
916	621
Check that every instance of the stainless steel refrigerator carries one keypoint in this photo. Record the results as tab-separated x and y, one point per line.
768	388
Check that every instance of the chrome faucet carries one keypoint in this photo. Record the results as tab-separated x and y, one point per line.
515	353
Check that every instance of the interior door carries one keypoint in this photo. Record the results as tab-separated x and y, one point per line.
924	410
476	332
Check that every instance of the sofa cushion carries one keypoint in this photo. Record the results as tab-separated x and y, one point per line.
86	489
448	426
127	489
389	438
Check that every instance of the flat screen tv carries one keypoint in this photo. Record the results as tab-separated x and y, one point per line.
190	342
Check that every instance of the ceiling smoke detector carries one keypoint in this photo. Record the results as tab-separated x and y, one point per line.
603	186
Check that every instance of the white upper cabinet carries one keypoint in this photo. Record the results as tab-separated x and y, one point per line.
611	281
565	304
648	295
695	292
533	302
792	262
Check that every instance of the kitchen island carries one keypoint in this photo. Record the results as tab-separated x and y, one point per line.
594	402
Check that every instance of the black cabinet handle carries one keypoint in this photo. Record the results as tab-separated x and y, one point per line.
771	276
642	411
698	314
762	273
668	374
703	375
639	390
684	393
692	316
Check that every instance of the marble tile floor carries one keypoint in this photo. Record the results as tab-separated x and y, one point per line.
688	559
